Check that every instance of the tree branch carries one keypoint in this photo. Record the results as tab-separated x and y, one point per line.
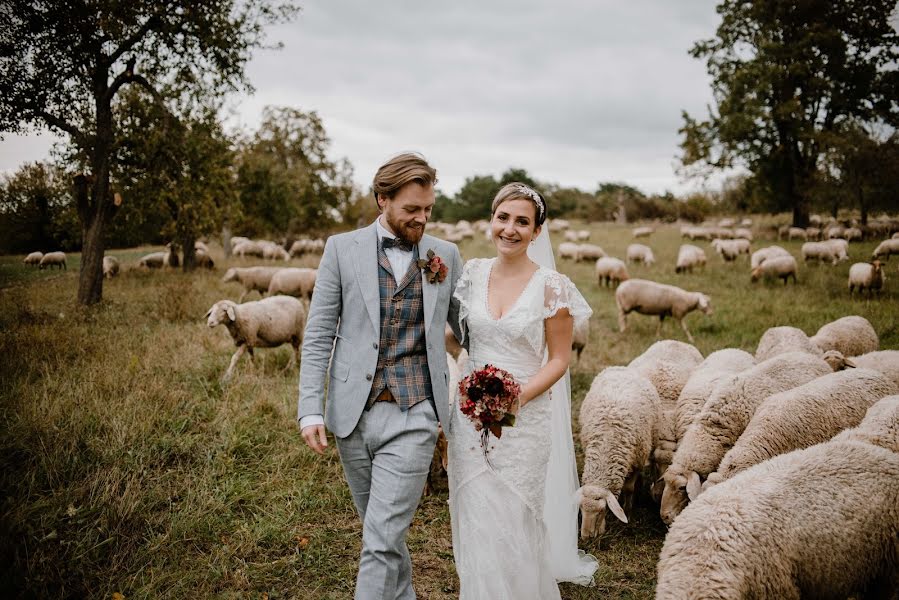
59	123
128	76
133	39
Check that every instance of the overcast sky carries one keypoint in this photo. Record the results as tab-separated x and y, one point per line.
576	92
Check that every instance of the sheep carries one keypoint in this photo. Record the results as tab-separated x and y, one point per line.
33	258
812	233
689	256
293	282
589	252
200	247
804	416
265	323
640	253
742	233
251	278
568	250
579	337
778	340
782	267
570	236
886	248
651	298
840	246
702	382
610	271
834	231
866	276
853	234
820	251
618	432
273	251
643	231
880	426
885	362
583	235
730	250
852	335
763	254
815	523
248	248
158	260
236	241
204	260
727	222
723	418
51	259
696	233
110	266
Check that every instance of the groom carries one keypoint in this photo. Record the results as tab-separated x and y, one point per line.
375	334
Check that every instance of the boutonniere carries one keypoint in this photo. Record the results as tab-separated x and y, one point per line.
435	268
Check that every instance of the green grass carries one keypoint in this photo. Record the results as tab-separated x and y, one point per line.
127	468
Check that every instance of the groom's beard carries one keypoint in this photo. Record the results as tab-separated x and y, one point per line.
409	232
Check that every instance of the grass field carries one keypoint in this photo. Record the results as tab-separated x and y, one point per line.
126	467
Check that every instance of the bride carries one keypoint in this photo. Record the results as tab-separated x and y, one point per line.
514	521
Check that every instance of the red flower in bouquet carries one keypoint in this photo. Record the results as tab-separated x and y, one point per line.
486	397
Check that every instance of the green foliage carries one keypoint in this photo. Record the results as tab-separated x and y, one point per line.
784	75
36	211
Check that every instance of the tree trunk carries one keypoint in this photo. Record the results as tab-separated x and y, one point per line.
226	240
90	277
189	262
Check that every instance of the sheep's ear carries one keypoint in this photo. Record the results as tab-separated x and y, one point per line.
612	505
231	314
848	362
208	312
694	486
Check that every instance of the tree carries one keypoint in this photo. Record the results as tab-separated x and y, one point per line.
785	73
63	64
33	205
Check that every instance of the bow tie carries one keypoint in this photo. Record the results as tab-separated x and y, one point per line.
403	245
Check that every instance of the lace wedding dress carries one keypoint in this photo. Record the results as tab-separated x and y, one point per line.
500	538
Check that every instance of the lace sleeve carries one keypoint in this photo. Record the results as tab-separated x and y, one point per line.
560	293
462	293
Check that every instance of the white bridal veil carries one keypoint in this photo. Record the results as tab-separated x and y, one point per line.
561	505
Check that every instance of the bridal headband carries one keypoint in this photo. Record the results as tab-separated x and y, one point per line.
533	195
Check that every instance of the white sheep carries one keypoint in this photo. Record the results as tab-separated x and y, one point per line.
203	259
743	233
579	337
33	258
723	418
618	432
273	251
797	232
782	267
852	335
251	278
835	231
293	282
812	233
804	416
651	298
610	271
715	368
568	250
777	340
200	246
159	260
643	231
866	276
583	235
237	240
589	252
53	259
110	266
689	256
879	427
570	236
763	254
819	251
853	234
248	248
640	253
886	248
885	362
730	250
841	247
265	323
815	523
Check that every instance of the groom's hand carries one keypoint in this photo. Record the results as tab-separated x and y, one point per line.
315	438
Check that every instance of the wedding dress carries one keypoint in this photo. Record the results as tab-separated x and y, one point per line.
500	539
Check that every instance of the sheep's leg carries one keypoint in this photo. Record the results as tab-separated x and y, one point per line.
294	357
628	492
683	324
622	320
227	376
242	296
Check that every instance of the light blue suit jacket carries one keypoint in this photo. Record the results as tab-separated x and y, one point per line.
340	345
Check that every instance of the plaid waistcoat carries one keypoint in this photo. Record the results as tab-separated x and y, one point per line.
402	353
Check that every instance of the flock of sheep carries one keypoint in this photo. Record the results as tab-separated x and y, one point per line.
777	472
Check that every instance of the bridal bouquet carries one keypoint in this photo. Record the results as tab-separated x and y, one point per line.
486	397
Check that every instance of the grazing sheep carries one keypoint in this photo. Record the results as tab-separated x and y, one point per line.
782	267
815	523
640	253
763	254
820	251
689	256
201	247
730	250
236	241
812	233
853	234
265	323
610	271
618	432
589	252
834	232
34	258
583	235
569	250
695	233
804	416
742	233
723	418
643	231
651	298
880	426
579	337
796	232
570	236
778	340
248	248
852	335
293	282
886	248
866	276
885	362
110	266
251	278
53	259
841	247
273	251
204	260
715	368
159	260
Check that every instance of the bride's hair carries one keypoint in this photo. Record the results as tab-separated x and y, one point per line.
520	191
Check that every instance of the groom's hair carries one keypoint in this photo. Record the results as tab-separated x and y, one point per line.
403	168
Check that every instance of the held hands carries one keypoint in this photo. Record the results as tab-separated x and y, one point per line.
315	438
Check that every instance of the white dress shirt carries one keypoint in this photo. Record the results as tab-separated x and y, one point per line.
399	263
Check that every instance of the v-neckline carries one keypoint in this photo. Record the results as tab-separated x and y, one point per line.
517	300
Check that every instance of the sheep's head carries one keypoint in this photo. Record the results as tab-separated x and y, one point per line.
681	486
837	361
876	267
756	273
705	304
222	311
594	501
230	275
